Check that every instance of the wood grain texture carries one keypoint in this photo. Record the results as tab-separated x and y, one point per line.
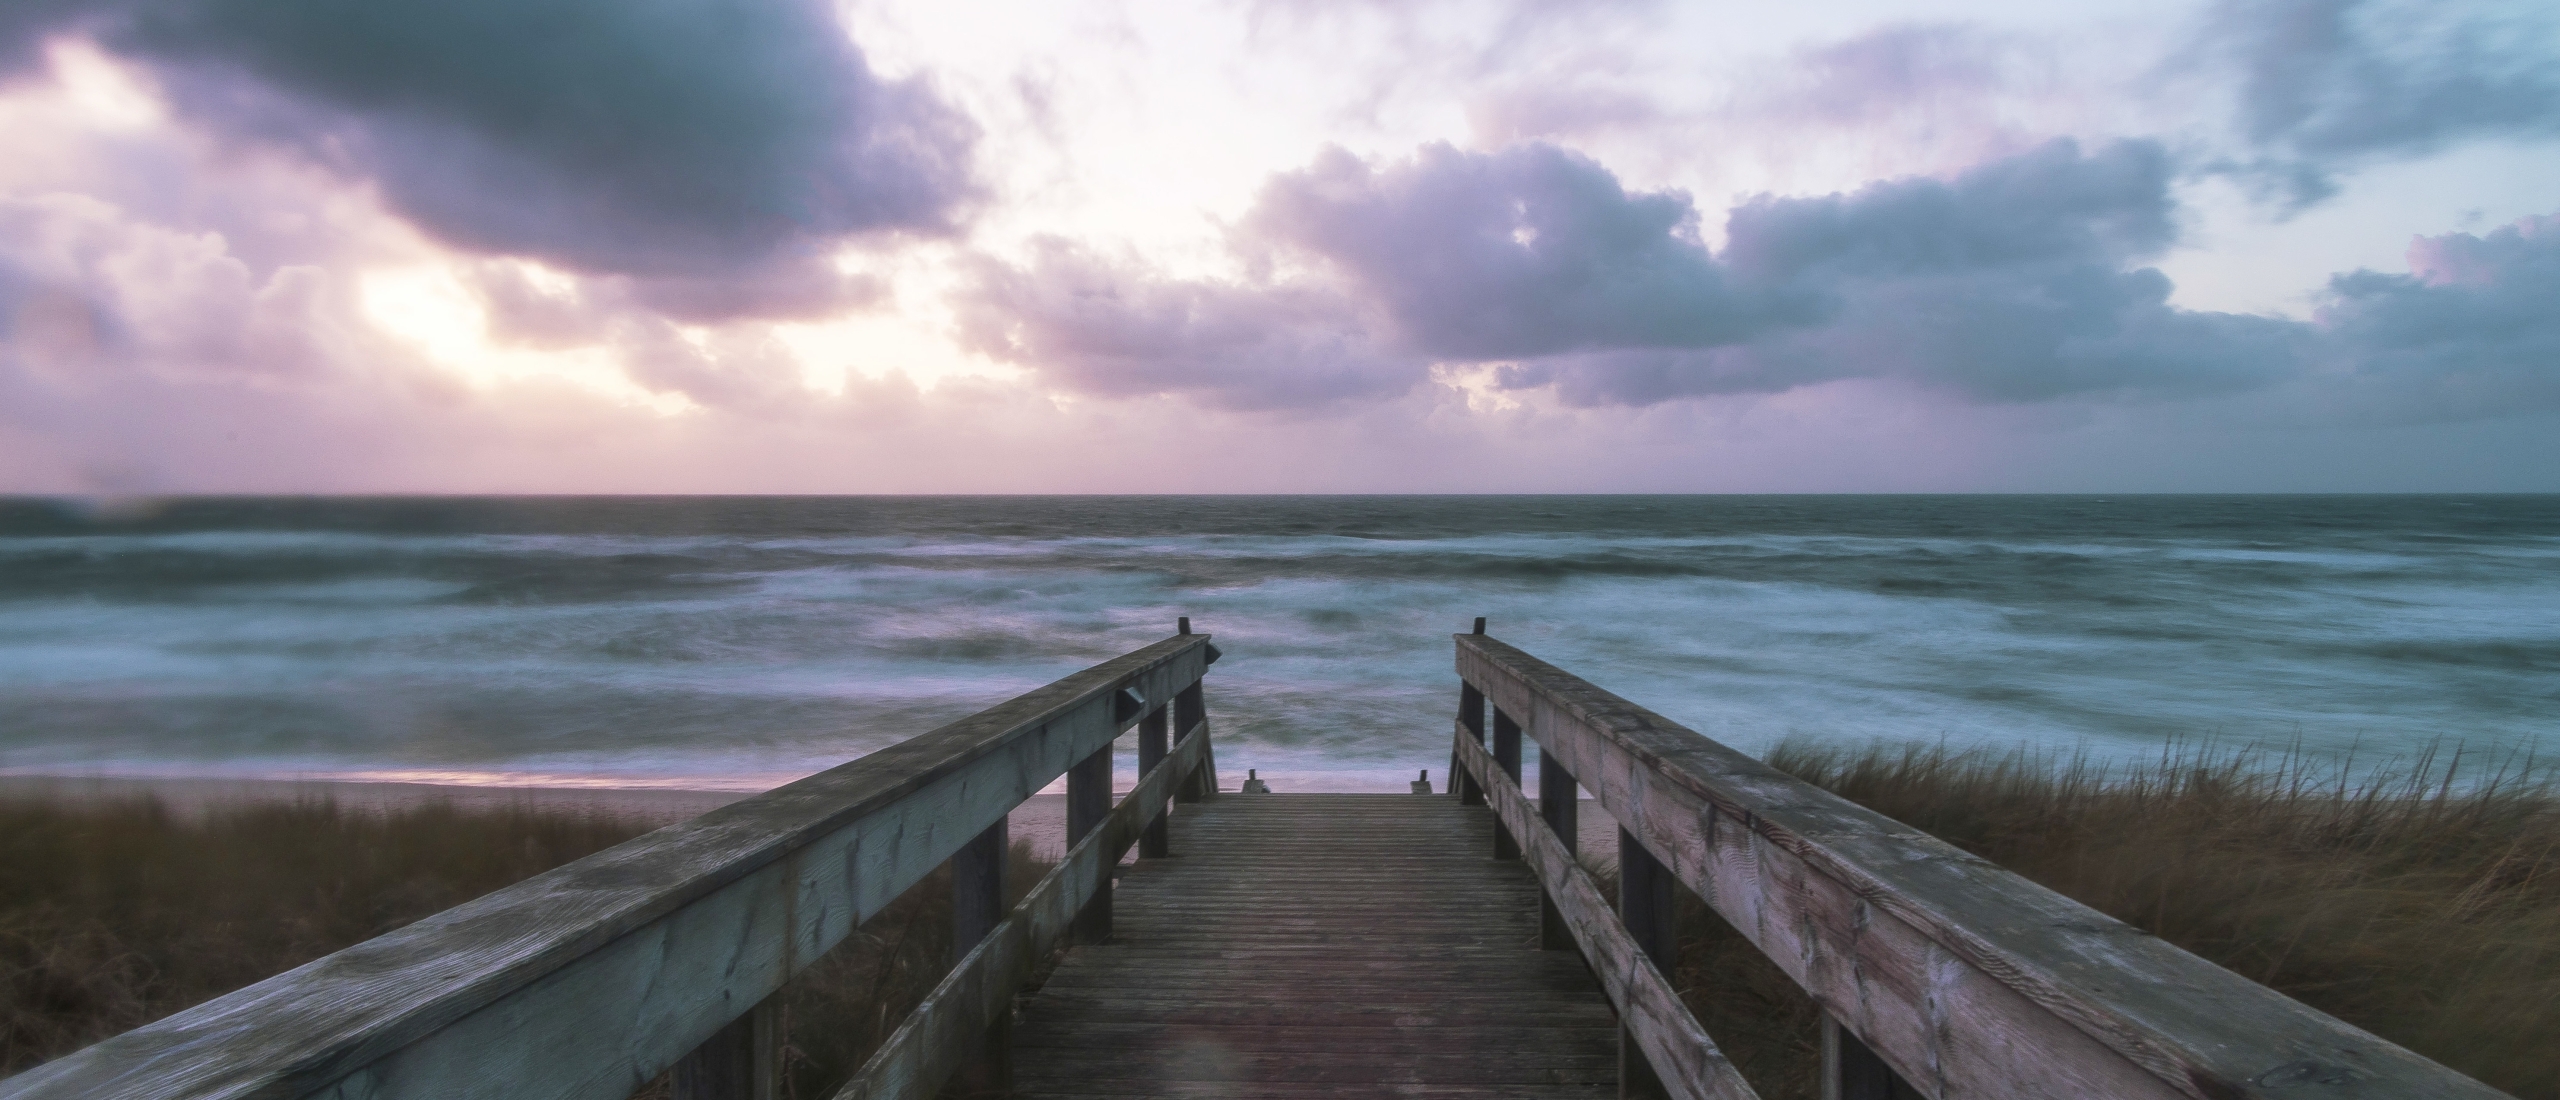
1336	945
584	982
1966	979
1685	1061
943	1032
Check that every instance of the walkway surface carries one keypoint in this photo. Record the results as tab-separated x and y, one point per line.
1302	945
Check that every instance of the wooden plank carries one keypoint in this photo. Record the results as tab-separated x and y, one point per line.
936	1038
1647	906
1088	803
584	982
977	907
1559	806
1968	980
1506	750
1152	745
1685	1060
1363	943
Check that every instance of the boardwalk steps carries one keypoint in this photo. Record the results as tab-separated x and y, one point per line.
1305	944
1265	946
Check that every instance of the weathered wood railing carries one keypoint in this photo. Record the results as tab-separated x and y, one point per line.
1939	974
587	981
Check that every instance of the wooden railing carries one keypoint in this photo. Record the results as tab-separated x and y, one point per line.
1938	973
588	981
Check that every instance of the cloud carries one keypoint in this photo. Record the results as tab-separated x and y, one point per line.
2470	332
714	153
1114	330
2021	280
2013	281
2324	85
1527	251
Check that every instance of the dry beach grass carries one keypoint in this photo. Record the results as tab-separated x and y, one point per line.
2419	902
2424	906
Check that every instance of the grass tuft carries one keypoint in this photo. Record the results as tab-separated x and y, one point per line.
2419	901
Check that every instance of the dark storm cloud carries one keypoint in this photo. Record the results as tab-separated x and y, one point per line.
695	146
2325	84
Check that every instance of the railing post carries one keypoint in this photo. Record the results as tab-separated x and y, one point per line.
1470	724
739	1062
1152	745
1557	803
1852	1072
977	906
1506	752
1645	903
1190	709
1088	802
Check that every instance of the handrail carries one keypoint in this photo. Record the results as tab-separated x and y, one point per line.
939	1036
586	981
1685	1060
1966	979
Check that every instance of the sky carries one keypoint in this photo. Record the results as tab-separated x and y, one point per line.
787	246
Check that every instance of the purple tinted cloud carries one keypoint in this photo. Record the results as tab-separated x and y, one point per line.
2020	280
2324	85
713	152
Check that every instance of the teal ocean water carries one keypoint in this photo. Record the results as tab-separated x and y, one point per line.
738	642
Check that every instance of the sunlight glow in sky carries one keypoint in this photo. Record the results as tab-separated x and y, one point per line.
1285	245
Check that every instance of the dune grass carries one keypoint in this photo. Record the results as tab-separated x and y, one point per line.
114	914
2420	902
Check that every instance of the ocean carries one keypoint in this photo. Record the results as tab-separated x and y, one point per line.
738	642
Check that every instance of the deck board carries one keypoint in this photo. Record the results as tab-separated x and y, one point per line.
1298	945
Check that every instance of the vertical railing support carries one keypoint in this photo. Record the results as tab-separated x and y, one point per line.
1190	709
1506	752
977	906
1557	803
1088	802
1850	1071
1645	903
739	1062
1152	744
1470	724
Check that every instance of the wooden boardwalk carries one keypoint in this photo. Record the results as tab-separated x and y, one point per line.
1300	945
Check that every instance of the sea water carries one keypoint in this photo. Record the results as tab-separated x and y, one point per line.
739	642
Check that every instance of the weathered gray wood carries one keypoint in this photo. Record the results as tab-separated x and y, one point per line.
588	980
1506	750
1852	1072
722	1068
1361	944
977	906
742	1061
1088	803
1191	712
1158	841
1559	806
1968	980
1648	907
1686	1061
939	1035
1470	726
